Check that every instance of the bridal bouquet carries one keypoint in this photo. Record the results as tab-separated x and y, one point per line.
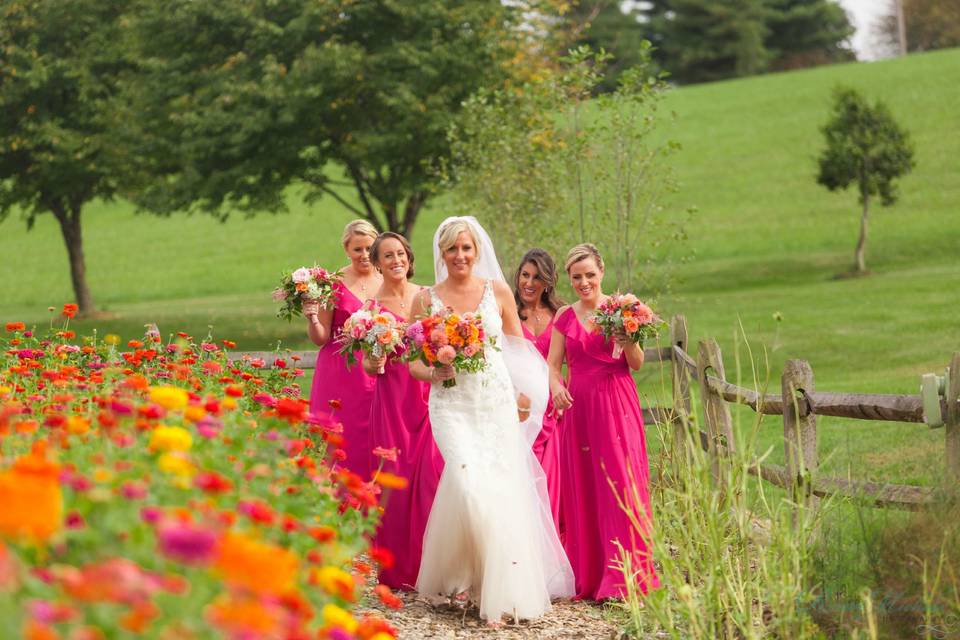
625	312
306	283
448	338
373	332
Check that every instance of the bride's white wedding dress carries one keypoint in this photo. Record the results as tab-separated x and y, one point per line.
490	531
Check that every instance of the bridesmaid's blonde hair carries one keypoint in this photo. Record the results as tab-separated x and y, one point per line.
583	252
357	228
450	231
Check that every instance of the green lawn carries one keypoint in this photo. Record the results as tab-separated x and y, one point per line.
766	239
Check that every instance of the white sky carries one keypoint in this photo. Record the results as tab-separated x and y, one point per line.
863	14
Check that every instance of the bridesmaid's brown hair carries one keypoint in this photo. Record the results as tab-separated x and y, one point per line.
547	270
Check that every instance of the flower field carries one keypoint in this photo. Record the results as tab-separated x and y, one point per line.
156	489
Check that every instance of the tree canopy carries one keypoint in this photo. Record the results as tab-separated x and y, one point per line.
866	148
242	98
60	119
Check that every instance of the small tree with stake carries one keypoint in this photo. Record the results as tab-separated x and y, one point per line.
866	147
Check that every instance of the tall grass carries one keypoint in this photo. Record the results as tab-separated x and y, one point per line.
738	558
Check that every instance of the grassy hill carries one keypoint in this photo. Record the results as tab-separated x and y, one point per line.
767	241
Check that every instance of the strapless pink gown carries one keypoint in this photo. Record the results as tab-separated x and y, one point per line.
352	388
603	442
547	445
398	419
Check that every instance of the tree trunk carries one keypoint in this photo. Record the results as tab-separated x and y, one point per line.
69	220
862	242
410	212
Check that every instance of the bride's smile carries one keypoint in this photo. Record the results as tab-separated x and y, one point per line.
461	255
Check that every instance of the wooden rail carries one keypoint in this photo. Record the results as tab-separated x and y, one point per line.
799	476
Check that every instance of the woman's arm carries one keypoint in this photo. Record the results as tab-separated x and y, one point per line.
561	397
632	350
319	322
420	371
372	365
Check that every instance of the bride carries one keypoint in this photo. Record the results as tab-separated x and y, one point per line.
490	534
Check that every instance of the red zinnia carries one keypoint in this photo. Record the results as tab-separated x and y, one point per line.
70	309
15	326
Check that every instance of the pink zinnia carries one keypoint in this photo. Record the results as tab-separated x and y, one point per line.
187	544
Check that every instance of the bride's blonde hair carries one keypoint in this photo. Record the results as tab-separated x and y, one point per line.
450	231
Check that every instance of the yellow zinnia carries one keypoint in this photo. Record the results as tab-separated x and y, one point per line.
169	397
166	438
176	464
334	616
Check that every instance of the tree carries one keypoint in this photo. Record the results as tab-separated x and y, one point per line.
929	24
59	119
865	147
803	33
592	169
706	40
612	27
244	97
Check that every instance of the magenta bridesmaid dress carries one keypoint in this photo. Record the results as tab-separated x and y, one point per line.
547	445
352	388
602	443
398	420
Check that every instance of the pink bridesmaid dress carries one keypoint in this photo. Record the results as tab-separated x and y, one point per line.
547	445
352	388
398	420
603	442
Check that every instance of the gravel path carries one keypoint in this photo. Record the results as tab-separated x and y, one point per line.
567	620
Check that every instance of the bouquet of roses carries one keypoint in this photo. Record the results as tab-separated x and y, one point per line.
448	338
306	283
624	312
374	332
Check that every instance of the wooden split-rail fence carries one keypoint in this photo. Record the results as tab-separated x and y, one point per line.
798	402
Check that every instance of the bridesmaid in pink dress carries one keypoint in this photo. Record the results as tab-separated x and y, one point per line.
534	288
398	421
347	391
603	441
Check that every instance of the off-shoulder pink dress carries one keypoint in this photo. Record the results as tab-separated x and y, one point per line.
603	443
351	389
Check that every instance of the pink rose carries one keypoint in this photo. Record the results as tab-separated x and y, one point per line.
643	313
301	275
470	350
279	295
446	354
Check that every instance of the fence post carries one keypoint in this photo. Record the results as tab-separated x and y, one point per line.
952	421
681	390
715	410
799	431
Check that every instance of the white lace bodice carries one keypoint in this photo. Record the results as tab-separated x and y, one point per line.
490	387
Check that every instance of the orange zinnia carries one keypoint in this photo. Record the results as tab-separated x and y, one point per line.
31	497
258	566
390	481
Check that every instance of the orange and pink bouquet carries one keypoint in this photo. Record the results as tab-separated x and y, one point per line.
624	312
374	332
449	338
